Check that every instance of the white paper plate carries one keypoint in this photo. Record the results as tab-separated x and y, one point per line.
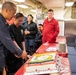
51	49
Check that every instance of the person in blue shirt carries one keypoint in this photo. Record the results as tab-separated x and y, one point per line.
7	12
38	39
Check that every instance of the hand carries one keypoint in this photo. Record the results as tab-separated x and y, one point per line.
28	32
25	32
24	54
16	56
29	56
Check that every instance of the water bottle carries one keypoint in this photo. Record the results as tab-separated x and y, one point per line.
26	31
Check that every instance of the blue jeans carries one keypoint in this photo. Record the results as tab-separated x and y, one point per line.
30	46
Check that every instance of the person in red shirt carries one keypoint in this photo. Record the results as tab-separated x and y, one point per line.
50	28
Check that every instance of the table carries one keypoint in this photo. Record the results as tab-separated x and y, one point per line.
64	61
65	66
61	39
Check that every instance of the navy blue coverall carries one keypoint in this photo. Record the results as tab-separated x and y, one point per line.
6	43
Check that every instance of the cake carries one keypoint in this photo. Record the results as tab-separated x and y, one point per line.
43	63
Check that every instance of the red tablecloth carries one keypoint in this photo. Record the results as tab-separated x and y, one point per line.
43	47
61	39
64	71
65	68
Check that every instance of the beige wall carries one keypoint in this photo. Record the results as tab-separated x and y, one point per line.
26	11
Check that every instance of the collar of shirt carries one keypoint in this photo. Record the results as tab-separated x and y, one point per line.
50	19
15	26
4	20
30	22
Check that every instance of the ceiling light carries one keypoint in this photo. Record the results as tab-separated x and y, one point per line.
19	0
23	6
0	5
69	3
33	10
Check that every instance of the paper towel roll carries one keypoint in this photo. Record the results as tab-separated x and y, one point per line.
62	47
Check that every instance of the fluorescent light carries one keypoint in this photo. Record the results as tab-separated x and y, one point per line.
19	0
0	5
69	3
33	10
23	6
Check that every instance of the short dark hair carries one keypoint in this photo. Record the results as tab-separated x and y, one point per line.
30	15
40	25
8	5
50	10
19	15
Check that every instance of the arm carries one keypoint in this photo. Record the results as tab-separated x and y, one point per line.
38	37
16	44
34	31
56	30
23	45
8	43
6	40
23	41
43	38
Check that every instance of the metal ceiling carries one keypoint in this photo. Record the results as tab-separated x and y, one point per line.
44	3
